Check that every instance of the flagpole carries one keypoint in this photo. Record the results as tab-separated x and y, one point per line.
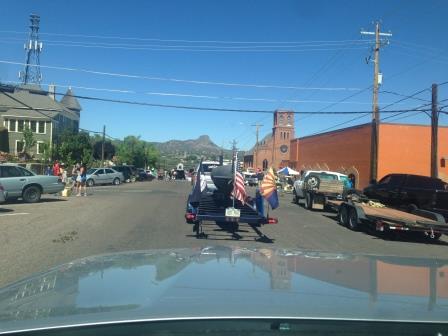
235	162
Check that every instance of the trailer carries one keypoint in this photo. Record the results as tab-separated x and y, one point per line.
214	207
355	213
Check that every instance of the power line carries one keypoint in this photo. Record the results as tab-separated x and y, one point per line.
184	95
114	74
176	40
124	45
403	95
173	48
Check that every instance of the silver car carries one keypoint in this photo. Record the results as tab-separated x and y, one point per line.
103	176
19	182
3	194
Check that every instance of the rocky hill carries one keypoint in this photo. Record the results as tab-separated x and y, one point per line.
203	146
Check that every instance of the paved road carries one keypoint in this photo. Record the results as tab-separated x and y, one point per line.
149	215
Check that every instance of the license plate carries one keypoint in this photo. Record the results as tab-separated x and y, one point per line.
233	213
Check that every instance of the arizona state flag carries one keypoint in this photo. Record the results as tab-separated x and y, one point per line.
268	189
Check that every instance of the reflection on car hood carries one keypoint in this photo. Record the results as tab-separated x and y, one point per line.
228	282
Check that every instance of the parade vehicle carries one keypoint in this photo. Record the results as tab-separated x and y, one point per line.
217	206
317	187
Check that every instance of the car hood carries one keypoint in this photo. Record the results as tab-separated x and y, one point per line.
228	282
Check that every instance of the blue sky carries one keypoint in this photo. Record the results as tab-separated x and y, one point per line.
415	58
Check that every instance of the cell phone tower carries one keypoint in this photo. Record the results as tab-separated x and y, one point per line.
33	47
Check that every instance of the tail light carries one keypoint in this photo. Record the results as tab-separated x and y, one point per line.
190	216
272	220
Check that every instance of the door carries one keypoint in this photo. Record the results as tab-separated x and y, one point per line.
101	177
110	175
13	180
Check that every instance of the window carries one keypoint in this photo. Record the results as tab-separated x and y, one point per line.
396	180
41	128
265	164
423	182
33	126
39	147
109	171
12	125
100	172
19	146
25	172
10	171
20	125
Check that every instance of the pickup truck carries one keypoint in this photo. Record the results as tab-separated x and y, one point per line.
411	192
316	187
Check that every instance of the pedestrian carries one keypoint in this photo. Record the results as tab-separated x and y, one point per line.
56	168
81	181
63	173
48	171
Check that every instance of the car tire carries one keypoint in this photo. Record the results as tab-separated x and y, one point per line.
411	208
308	201
90	182
343	215
353	220
31	194
116	181
295	199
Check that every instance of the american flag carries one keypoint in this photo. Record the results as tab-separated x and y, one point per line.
239	192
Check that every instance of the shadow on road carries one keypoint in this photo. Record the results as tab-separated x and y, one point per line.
231	232
408	237
42	200
3	210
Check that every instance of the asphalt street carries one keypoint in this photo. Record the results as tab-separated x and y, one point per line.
150	215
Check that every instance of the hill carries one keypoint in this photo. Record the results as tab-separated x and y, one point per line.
202	146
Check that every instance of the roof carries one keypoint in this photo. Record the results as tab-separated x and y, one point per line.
32	101
70	101
265	138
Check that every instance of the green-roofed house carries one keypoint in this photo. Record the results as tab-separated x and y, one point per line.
29	105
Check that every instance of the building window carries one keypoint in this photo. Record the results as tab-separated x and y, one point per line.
33	126
20	125
19	146
12	125
442	163
40	147
41	127
265	164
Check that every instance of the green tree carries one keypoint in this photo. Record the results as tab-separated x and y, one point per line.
134	151
46	152
28	139
74	147
109	149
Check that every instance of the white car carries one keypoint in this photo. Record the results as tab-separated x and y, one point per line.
206	176
299	187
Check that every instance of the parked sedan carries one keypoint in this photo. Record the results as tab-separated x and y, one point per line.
19	182
3	194
103	176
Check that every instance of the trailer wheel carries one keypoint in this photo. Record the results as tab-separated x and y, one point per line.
308	201
343	215
353	220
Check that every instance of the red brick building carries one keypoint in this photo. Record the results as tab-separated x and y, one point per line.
403	148
274	148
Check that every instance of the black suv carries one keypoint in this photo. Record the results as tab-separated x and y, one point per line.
129	172
411	192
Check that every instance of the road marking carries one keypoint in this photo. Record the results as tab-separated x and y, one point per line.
15	214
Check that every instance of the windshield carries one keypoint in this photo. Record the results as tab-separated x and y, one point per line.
321	127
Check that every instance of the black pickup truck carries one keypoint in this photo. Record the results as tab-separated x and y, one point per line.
411	192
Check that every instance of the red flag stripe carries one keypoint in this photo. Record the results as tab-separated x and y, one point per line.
239	191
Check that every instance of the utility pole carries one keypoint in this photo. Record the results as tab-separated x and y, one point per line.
434	131
257	129
375	109
102	145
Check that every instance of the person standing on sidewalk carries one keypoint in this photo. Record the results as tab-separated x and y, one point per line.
56	168
81	180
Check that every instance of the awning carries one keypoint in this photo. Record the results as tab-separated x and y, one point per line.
288	171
